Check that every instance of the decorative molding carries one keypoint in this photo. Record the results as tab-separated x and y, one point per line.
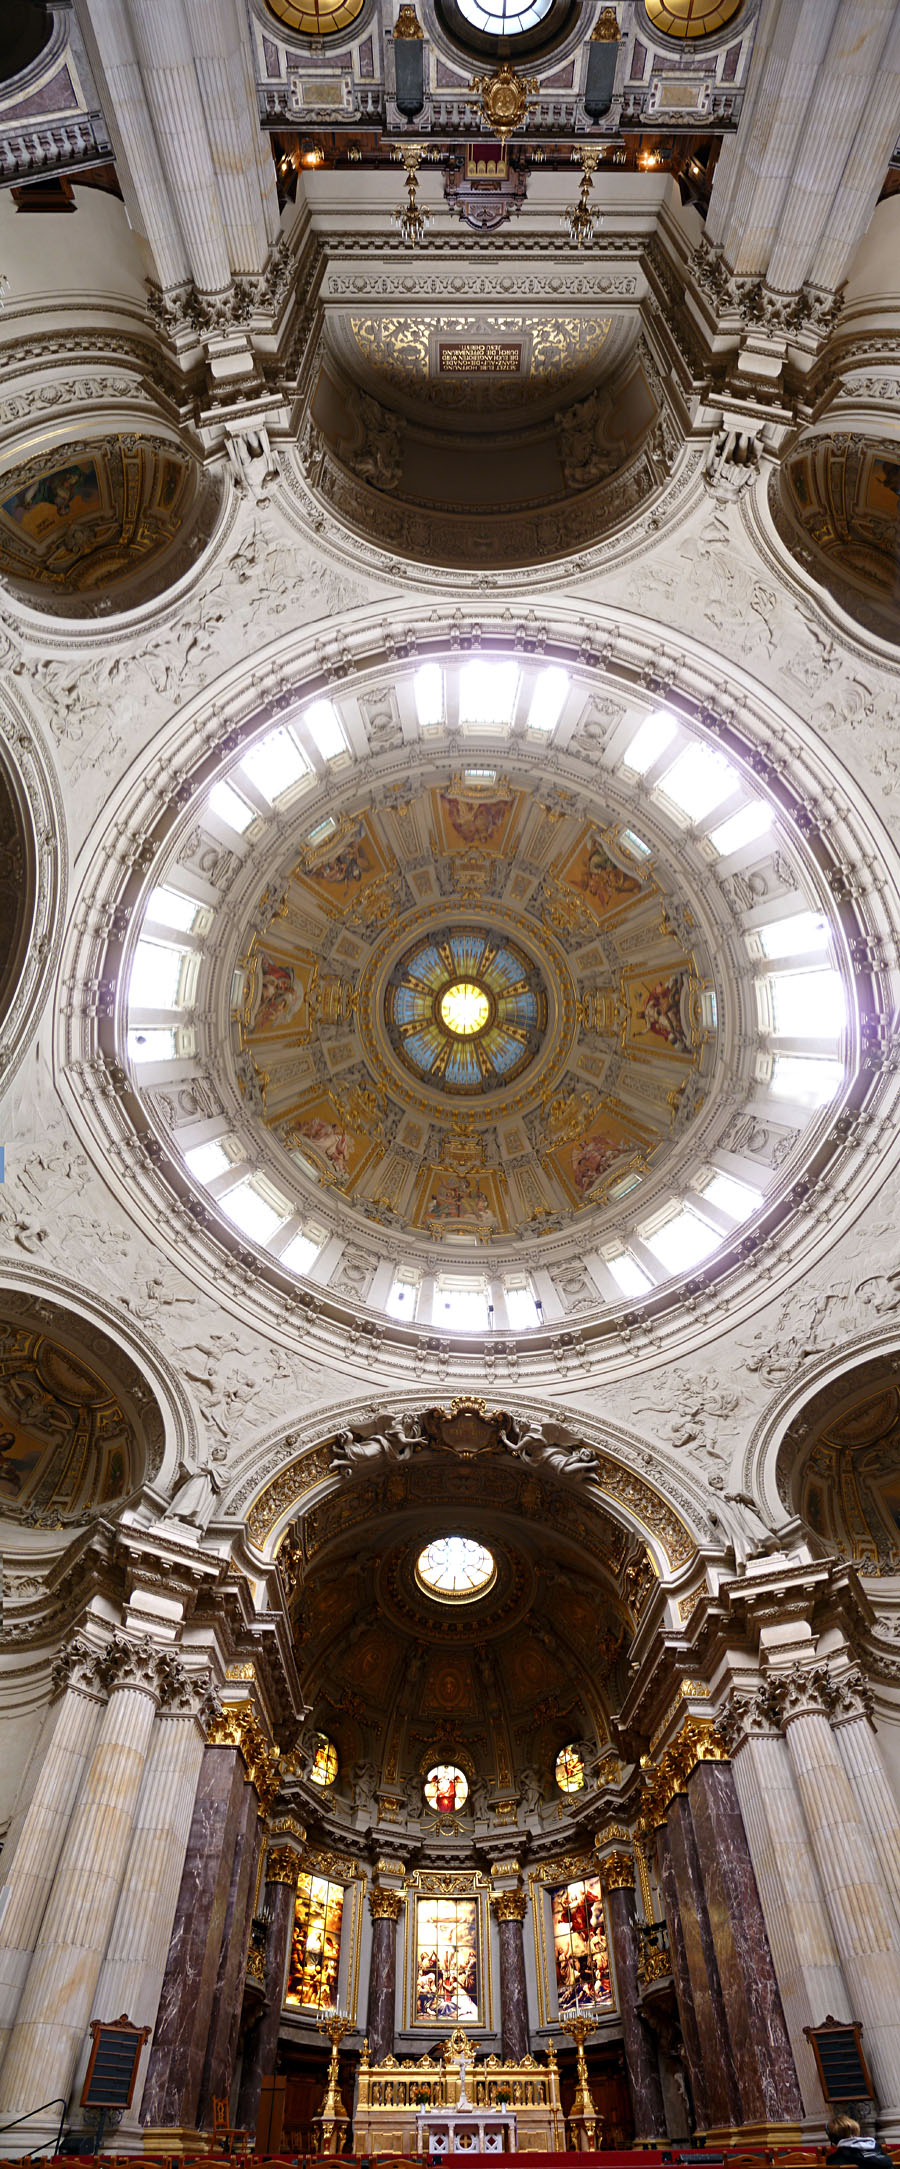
617	1871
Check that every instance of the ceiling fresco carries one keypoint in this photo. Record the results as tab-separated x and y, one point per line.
99	515
572	969
70	1444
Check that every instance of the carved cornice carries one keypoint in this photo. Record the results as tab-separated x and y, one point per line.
385	1904
510	1904
617	1872
283	1865
238	1726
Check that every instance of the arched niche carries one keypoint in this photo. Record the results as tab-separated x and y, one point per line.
104	522
835	501
80	1431
838	1467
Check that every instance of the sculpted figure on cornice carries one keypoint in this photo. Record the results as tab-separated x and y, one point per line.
195	1499
395	1443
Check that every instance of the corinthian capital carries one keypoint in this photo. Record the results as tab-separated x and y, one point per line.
510	1904
385	1904
617	1872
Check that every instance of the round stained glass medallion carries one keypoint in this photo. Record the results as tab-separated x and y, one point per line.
324	1767
569	1770
446	1788
691	18
456	1569
465	1009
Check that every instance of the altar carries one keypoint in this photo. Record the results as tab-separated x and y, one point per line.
404	2106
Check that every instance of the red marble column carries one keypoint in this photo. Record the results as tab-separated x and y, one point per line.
385	1908
617	1879
690	2032
178	2049
218	2065
509	1906
720	2081
758	2036
282	1869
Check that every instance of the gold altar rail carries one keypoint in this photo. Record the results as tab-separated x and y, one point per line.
392	2093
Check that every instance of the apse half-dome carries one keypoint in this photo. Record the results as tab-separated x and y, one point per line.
79	1429
103	522
836	503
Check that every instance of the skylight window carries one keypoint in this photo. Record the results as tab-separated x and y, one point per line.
251	1212
167	908
796	936
428	686
698	781
807	1005
324	726
521	1308
404	1295
741	828
487	694
683	1241
208	1161
322	829
301	1252
548	699
655	734
628	1274
157	976
806	1079
156	1045
275	765
463	1309
737	1199
635	845
231	807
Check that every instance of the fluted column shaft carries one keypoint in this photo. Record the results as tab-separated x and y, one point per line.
860	1754
240	155
58	1993
863	1919
258	2062
34	1850
640	2053
106	29
385	1909
753	176
509	1907
804	1951
218	2068
132	1972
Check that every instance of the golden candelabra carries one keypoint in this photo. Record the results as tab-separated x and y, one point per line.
331	2122
411	219
579	217
583	2118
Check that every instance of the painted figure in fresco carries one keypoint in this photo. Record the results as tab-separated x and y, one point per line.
603	881
349	865
591	1160
475	820
42	505
280	996
661	1012
458	1198
328	1138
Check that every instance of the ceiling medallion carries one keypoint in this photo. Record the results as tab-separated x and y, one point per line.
504	98
466	1009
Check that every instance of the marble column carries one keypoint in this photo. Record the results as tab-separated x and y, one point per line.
758	2036
690	2031
509	1906
385	1909
862	1916
282	1870
228	1996
178	2049
617	1879
723	2098
131	1976
34	1848
804	1951
59	1990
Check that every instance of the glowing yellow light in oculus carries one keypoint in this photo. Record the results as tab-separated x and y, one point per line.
464	1009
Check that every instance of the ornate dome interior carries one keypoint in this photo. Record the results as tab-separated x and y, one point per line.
79	1431
102	519
836	502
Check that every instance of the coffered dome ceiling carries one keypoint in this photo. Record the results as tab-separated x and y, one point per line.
482	994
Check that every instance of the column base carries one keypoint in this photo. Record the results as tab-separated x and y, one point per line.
175	2139
753	2135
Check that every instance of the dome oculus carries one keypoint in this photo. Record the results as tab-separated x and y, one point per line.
456	1569
464	1009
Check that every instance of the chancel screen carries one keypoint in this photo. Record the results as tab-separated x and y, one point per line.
316	1943
579	1947
447	1985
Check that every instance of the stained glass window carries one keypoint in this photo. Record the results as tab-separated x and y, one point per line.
570	1770
579	1947
456	1567
446	1788
316	1943
324	1768
447	1961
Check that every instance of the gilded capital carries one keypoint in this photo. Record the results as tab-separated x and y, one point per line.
617	1872
282	1865
698	1741
385	1904
237	1725
509	1904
